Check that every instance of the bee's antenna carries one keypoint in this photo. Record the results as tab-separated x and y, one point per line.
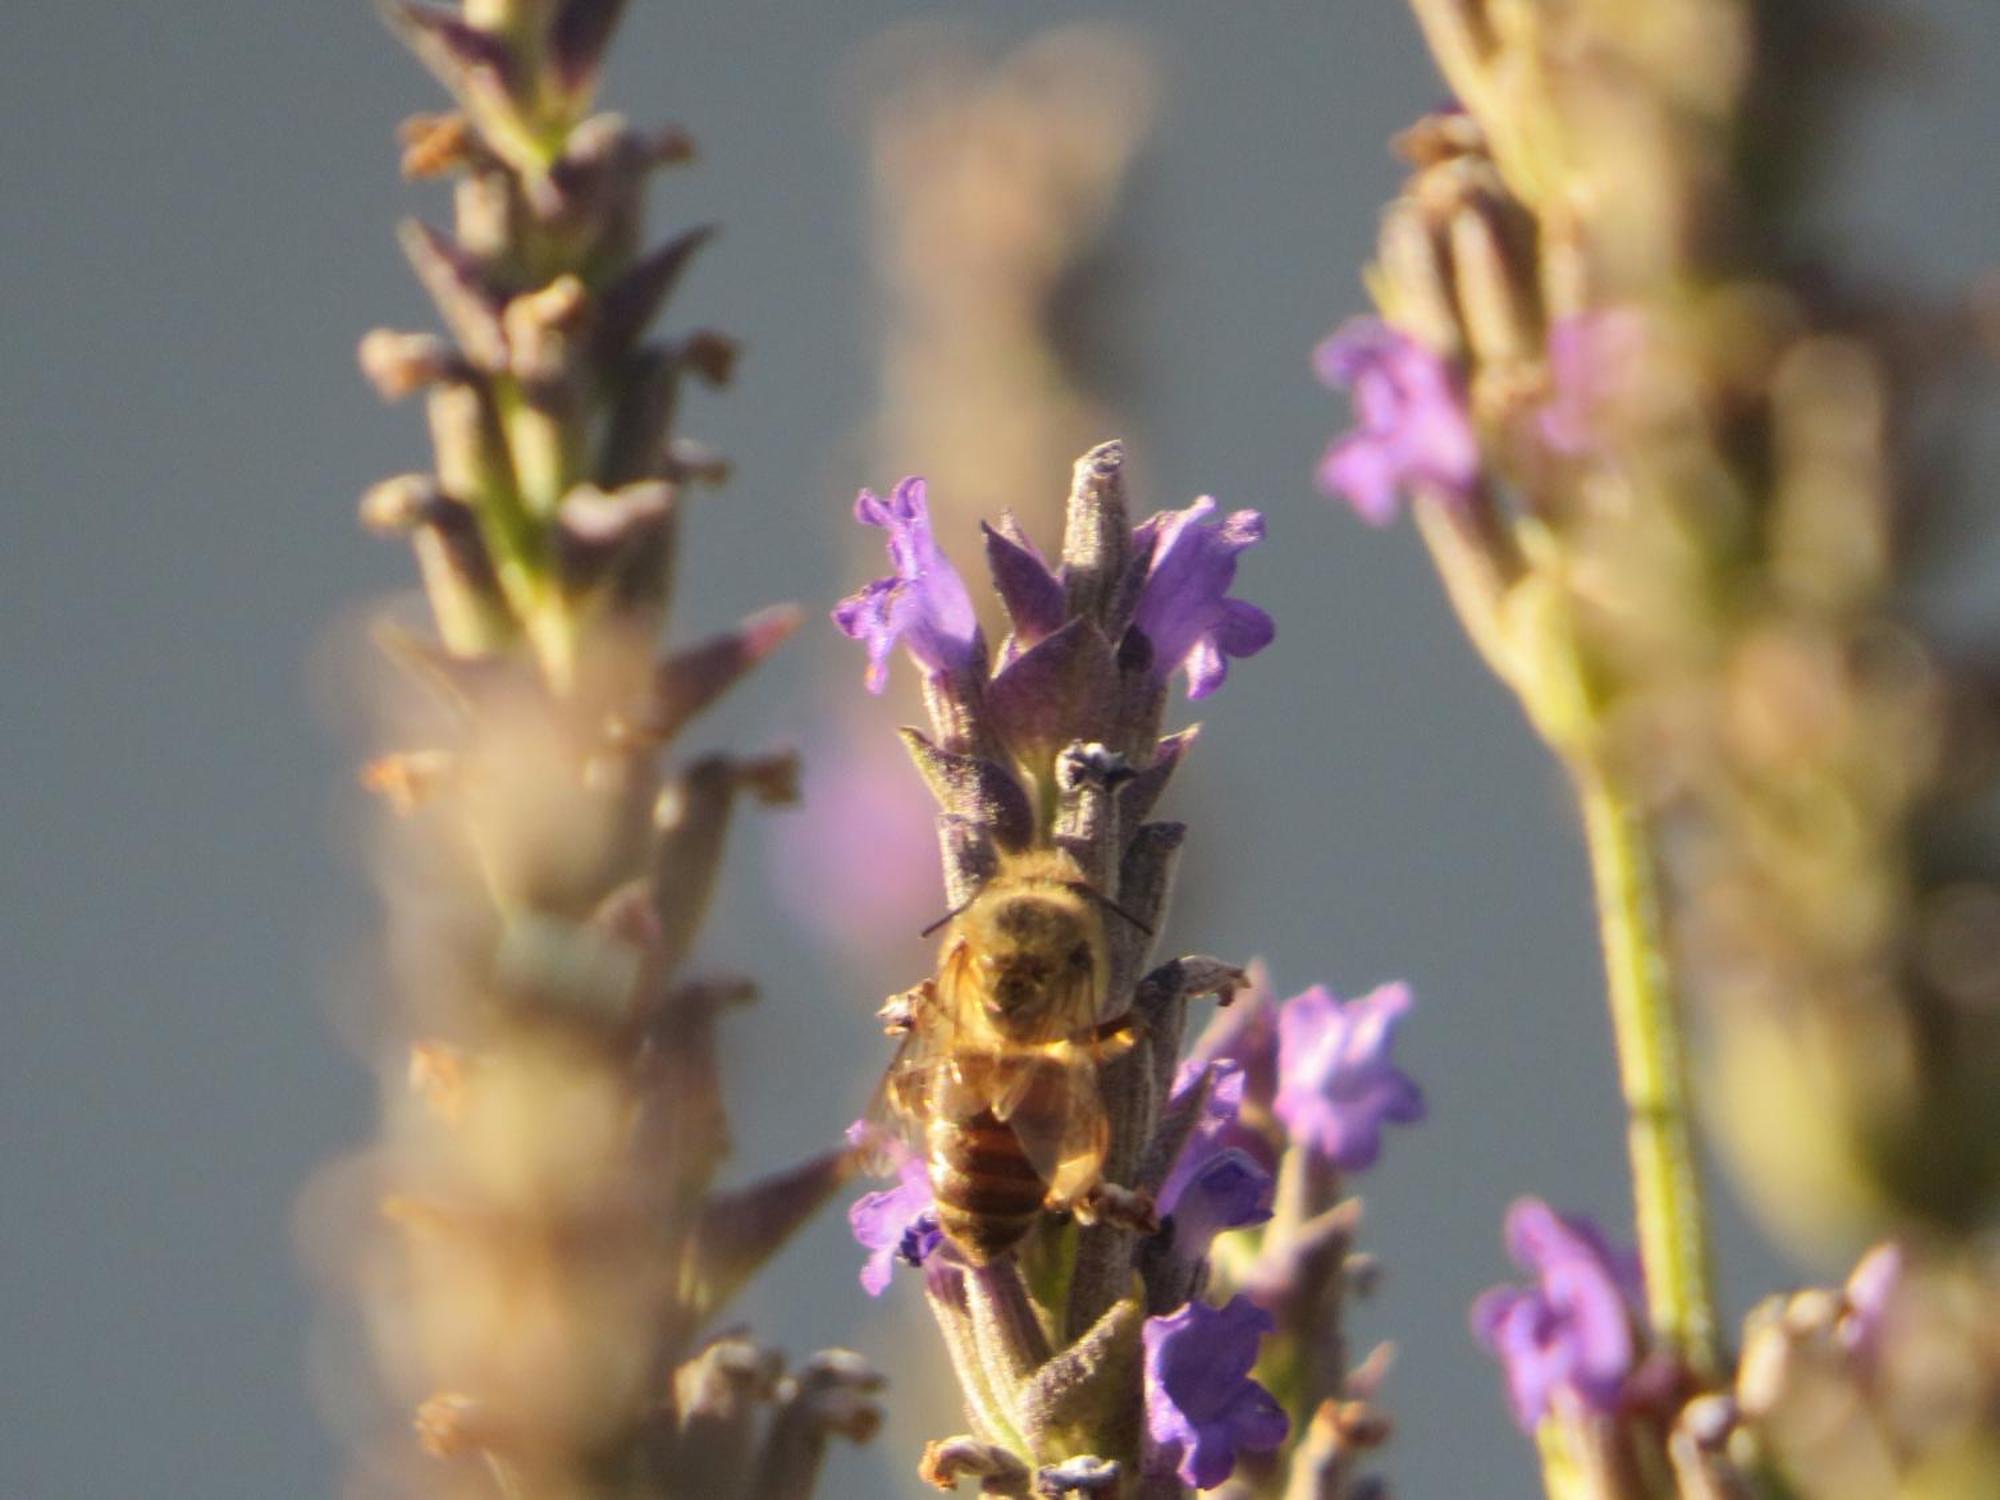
946	919
1082	888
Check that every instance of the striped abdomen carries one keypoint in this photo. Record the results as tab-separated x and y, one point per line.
988	1193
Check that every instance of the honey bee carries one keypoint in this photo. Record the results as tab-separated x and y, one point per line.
996	1080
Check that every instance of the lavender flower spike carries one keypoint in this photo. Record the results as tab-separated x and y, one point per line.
898	1223
923	603
1573	1332
1337	1087
1184	611
1414	433
1202	1407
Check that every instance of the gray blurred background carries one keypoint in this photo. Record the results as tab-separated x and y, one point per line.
197	202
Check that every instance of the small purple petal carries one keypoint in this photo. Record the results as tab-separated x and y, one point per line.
1413	432
1574	1330
923	603
1337	1087
1202	1407
893	1223
1184	612
1226	1189
1219	1130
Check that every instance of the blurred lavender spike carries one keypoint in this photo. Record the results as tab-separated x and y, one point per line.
554	1238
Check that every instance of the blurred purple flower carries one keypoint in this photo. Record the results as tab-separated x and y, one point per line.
1337	1087
857	861
1870	1295
1573	1331
1414	432
898	1223
1183	610
1202	1407
923	603
1595	358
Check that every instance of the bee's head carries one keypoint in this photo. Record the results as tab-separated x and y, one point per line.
1037	959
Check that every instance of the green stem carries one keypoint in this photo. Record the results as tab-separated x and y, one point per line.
1652	1072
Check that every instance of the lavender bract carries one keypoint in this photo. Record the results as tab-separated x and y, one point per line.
1570	1335
923	603
1202	1407
1337	1088
1415	435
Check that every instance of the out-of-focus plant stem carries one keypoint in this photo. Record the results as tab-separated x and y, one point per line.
551	1244
1652	1073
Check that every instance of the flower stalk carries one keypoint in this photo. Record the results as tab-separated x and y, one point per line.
1104	1339
555	1241
1667	475
1652	1073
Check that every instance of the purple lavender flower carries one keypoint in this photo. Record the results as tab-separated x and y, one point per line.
1244	1033
1414	432
923	603
1202	1407
898	1223
1572	1333
1222	1177
856	862
1183	611
1223	1189
1337	1087
1220	1127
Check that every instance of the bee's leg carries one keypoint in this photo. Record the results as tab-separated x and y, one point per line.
1116	1037
1108	1203
901	1012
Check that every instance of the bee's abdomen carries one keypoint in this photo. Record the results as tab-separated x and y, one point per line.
987	1191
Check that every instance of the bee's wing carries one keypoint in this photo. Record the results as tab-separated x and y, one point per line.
1017	1073
1057	1114
902	1101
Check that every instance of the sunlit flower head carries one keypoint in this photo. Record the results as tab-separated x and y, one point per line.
922	603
